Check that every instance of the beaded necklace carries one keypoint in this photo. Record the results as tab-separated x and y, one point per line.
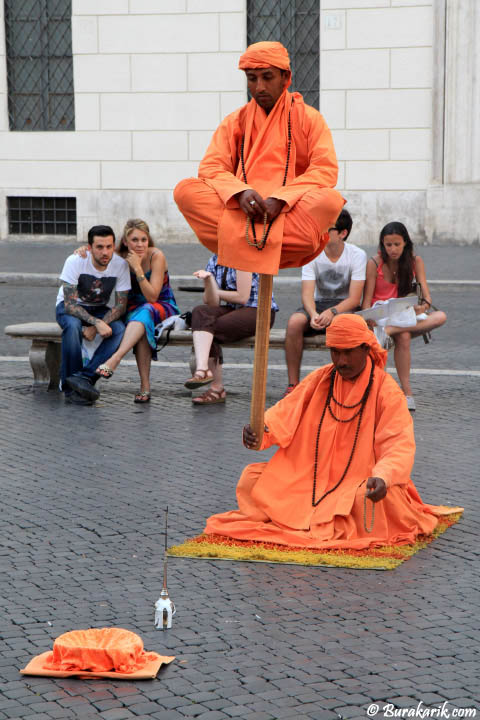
359	413
260	245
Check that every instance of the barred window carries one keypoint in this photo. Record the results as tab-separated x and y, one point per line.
42	215
296	24
39	64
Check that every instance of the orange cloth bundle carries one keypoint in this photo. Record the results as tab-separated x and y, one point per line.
98	650
101	652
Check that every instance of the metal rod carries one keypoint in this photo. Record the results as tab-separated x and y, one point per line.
165	553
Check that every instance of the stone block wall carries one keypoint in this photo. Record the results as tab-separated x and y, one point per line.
153	78
376	94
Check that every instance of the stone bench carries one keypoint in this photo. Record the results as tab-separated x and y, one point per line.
45	350
46	338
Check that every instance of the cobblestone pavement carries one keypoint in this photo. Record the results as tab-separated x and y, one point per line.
83	493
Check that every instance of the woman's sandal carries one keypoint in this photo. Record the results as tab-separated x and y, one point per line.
290	388
104	371
142	397
200	377
210	397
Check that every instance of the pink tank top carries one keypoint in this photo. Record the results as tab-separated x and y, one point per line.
384	290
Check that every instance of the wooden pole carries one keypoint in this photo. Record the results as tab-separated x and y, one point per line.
260	361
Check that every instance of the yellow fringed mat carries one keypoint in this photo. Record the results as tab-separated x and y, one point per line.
385	557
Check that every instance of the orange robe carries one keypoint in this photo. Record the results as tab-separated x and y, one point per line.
275	497
298	234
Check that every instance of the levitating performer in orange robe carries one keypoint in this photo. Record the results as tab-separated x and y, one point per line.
273	155
344	430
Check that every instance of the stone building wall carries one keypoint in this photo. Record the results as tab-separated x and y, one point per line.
153	78
376	94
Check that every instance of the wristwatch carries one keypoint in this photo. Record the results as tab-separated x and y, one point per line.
334	311
140	278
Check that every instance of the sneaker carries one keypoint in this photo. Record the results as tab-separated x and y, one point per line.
380	334
410	403
83	387
290	388
388	342
384	340
75	398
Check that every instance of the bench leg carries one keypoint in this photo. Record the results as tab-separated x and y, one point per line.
45	358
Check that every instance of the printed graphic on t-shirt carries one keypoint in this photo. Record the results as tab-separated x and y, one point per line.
93	290
332	283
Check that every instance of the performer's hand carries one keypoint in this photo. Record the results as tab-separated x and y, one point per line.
274	207
245	200
250	439
376	489
89	332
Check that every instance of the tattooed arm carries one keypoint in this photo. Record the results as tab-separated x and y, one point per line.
118	309
72	307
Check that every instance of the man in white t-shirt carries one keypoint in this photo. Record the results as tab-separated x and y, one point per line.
331	284
83	313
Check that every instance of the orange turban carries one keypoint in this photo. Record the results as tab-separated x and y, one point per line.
349	331
265	54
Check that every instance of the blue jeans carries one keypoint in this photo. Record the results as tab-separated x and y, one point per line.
72	338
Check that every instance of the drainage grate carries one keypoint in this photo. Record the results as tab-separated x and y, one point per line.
39	64
42	216
296	24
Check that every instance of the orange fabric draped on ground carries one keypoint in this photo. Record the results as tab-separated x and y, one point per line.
298	234
275	497
97	652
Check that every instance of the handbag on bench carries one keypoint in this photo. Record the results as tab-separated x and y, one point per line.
427	336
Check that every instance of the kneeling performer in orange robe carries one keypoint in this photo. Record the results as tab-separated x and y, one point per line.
345	431
273	156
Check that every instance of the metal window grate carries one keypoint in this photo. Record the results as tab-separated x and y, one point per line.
39	64
296	24
42	215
